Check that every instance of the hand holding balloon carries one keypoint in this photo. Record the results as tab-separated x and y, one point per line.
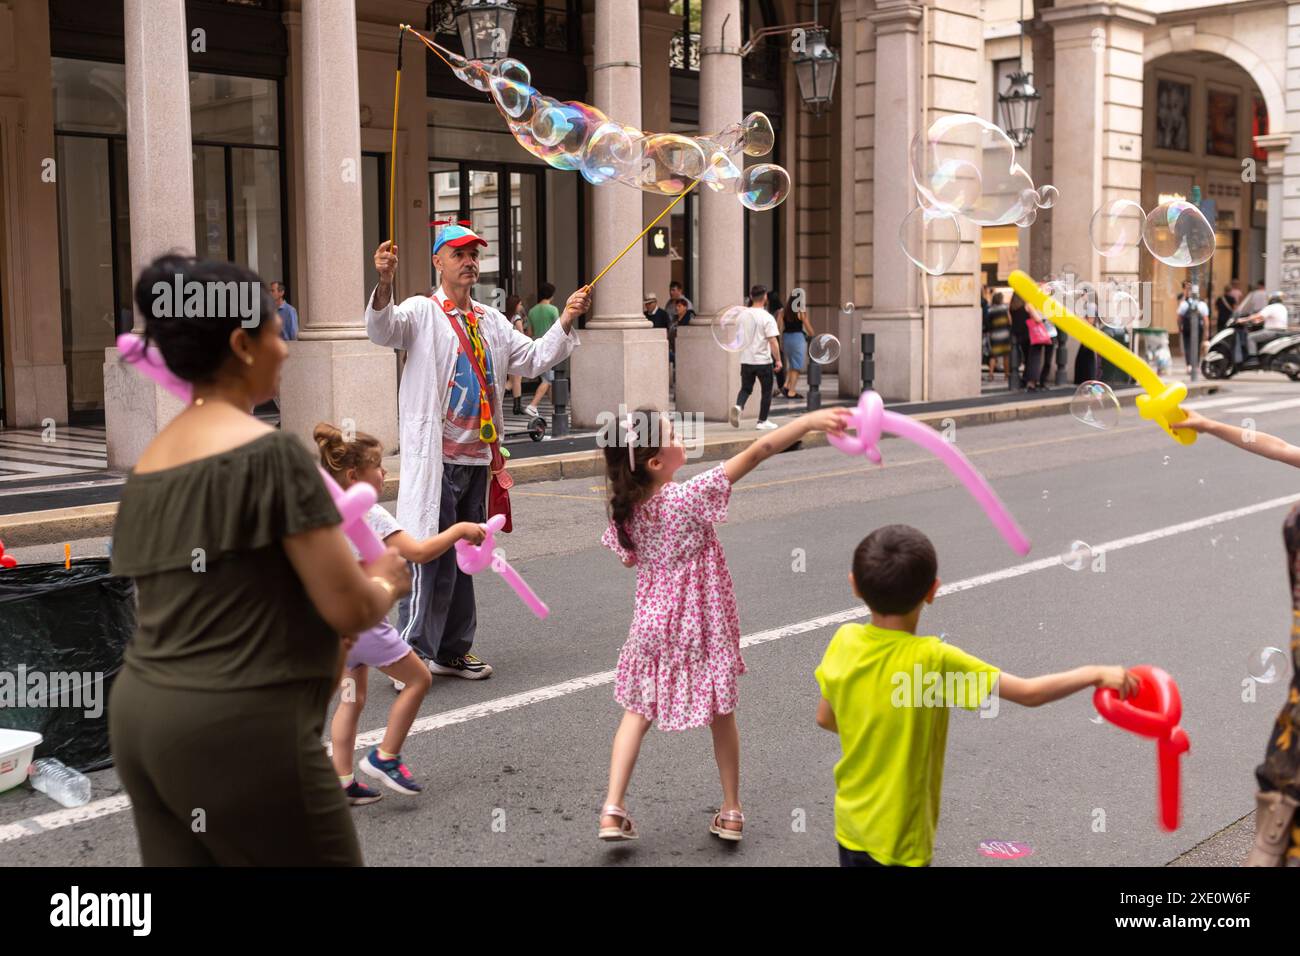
870	420
1153	712
352	504
473	558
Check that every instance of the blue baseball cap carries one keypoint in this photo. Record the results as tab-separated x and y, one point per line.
457	235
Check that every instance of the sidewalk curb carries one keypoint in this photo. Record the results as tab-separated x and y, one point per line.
90	521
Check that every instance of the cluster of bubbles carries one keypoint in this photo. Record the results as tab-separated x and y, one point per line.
1267	665
736	329
577	136
1175	232
965	167
1095	405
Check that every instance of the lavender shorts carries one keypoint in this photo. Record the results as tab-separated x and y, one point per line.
378	647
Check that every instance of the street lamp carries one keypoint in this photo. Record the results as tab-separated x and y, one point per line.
485	27
1019	101
815	67
815	61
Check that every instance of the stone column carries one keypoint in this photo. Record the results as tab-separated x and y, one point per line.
1097	154
1276	266
334	373
35	378
160	172
852	183
708	377
623	360
895	315
657	29
1285	249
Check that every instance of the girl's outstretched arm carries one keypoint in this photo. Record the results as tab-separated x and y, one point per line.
1258	443
831	420
421	552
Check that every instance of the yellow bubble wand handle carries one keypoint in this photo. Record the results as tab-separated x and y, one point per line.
1161	401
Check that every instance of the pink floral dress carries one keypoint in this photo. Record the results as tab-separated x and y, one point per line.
682	656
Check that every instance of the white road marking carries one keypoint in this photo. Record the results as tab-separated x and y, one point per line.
102	808
1269	406
1217	402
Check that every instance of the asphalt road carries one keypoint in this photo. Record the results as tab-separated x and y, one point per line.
515	766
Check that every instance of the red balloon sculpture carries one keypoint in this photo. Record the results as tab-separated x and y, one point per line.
1154	711
6	560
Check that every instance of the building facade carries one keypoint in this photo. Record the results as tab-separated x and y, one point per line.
261	131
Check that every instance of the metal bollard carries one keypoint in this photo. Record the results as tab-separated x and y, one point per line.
560	420
1062	357
868	360
814	385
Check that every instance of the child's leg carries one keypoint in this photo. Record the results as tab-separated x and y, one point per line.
627	744
343	728
412	672
726	751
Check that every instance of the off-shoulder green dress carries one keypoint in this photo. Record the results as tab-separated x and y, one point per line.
216	718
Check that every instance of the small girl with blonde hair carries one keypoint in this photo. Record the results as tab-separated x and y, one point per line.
350	461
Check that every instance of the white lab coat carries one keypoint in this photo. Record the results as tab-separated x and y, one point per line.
421	328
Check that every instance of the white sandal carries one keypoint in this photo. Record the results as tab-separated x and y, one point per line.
726	833
624	831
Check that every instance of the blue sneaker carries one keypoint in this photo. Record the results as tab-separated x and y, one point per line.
359	794
392	773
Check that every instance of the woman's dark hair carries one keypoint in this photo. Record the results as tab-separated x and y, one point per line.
1016	301
193	333
337	454
997	299
628	483
894	568
512	306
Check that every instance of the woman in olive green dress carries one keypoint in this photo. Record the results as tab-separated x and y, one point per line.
244	584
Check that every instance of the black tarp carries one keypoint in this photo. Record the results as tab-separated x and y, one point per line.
62	634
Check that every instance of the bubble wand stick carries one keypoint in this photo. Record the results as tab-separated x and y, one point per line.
1161	401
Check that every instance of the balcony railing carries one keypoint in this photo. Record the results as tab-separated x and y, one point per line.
538	26
762	67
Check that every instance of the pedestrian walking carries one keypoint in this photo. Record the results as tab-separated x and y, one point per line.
679	665
760	355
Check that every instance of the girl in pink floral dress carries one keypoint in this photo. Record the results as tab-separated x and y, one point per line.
682	656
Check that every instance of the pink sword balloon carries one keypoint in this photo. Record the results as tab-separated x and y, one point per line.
474	558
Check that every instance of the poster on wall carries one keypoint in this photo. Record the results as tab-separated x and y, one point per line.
1259	127
1220	123
1173	115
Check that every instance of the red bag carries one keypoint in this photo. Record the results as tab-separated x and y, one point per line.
1038	334
501	482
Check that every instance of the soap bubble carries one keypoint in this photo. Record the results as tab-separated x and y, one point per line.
1178	234
735	328
1077	555
966	166
668	163
1047	196
931	238
1028	219
516	100
824	348
848	308
1119	309
514	70
1094	404
1116	228
1267	665
753	136
611	151
763	187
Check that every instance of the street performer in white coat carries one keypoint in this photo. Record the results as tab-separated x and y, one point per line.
449	425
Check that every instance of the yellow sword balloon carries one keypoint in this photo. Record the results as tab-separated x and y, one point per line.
1161	401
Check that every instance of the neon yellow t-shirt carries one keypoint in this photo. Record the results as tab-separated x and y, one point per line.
890	692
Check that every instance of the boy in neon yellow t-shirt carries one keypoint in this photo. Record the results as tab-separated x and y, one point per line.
886	692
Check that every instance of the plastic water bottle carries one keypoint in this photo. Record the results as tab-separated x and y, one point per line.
60	783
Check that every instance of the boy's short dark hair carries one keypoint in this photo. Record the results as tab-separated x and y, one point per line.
545	290
893	568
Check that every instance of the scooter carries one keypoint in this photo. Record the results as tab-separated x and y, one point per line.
1236	350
